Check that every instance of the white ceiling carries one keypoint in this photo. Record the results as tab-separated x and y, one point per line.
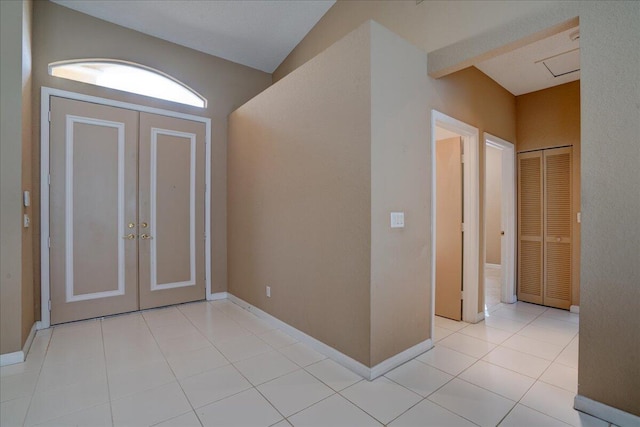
523	70
259	34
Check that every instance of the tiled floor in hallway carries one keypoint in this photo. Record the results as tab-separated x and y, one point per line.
216	364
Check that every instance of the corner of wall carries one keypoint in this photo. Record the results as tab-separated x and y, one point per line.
400	257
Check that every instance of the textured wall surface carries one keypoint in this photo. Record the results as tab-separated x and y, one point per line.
400	181
11	14
609	369
300	197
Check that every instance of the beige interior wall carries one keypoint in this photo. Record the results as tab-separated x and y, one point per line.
28	243
493	207
11	21
609	371
400	181
551	118
299	198
61	33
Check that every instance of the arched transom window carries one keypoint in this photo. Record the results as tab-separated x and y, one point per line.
128	77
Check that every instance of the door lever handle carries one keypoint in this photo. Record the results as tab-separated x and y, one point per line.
146	237
130	236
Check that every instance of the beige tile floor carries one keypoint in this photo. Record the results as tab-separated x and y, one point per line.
216	364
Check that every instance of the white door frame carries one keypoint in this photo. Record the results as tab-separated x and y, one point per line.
46	93
508	192
471	238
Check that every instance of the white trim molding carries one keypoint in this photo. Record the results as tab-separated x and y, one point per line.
605	412
471	219
191	137
217	296
70	295
509	213
46	94
575	309
19	356
333	354
11	358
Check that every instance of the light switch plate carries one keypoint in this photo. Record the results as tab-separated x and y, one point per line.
397	219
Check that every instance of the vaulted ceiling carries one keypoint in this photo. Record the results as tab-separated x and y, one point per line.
261	33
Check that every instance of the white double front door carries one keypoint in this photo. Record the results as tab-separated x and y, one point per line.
127	204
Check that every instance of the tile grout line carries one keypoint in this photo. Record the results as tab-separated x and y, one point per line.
44	357
106	372
231	363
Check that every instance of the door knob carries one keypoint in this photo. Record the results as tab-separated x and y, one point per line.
145	237
130	236
144	225
131	224
502	233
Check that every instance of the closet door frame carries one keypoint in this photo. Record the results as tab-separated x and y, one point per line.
46	94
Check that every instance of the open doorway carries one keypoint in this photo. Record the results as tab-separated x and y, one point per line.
499	214
455	145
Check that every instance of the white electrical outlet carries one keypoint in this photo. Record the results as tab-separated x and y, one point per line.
269	291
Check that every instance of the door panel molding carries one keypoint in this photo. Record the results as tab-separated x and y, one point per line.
71	120
155	286
46	94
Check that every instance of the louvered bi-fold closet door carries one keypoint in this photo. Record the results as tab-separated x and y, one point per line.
557	227
530	227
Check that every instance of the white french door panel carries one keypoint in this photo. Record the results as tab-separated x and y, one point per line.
71	121
93	172
171	209
186	139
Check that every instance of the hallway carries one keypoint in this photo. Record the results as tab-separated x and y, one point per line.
216	364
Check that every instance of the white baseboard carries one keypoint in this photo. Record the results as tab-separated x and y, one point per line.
512	300
575	309
400	358
489	266
605	412
217	296
19	356
11	358
332	353
29	341
480	317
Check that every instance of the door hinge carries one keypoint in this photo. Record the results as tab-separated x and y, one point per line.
461	295
49	241
49	305
49	179
49	116
462	227
461	158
